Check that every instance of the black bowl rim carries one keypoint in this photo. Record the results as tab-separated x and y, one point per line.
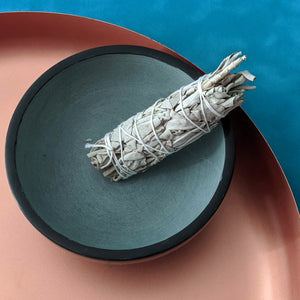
98	253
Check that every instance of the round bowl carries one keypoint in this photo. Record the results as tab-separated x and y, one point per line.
68	200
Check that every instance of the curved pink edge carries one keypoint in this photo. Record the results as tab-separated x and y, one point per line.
130	35
218	257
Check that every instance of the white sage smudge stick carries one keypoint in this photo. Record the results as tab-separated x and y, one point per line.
171	123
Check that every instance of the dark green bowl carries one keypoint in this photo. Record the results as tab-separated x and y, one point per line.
69	201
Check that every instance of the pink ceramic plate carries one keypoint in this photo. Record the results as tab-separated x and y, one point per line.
249	250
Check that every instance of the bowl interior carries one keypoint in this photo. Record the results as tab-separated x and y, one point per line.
85	98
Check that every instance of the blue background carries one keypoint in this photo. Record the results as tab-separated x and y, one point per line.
206	31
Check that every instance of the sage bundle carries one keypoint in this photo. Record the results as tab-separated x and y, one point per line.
171	123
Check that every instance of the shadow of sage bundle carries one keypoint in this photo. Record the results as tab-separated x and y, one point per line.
171	123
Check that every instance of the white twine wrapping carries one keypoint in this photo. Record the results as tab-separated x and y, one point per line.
210	98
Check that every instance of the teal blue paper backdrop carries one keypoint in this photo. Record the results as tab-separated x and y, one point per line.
268	31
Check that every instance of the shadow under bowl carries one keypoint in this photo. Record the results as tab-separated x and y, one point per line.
68	200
